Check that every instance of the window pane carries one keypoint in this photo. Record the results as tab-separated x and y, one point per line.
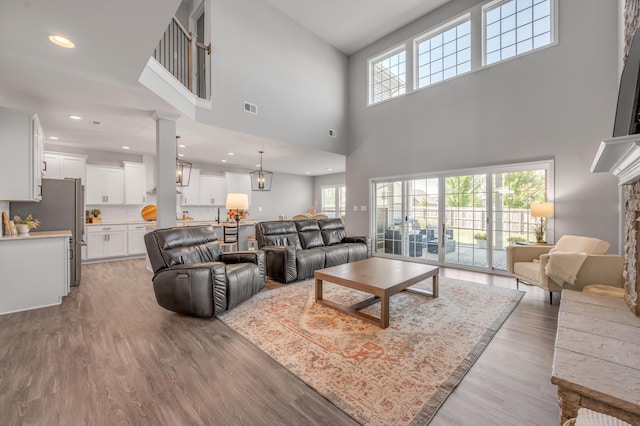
388	77
521	26
445	50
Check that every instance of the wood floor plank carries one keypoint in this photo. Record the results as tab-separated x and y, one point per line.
109	355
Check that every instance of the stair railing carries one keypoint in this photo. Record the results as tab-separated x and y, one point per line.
175	51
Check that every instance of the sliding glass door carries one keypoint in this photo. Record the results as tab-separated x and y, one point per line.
459	219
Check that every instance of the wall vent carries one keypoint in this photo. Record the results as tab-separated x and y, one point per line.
250	108
333	133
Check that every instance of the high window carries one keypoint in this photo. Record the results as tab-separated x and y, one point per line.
443	54
387	76
515	27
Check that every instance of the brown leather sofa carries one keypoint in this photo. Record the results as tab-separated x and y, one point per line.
295	249
194	277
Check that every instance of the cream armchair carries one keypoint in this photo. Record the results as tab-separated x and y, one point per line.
528	264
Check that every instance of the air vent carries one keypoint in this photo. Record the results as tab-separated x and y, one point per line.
94	123
250	108
333	133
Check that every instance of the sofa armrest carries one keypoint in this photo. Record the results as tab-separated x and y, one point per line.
281	263
601	269
249	256
196	289
360	239
524	254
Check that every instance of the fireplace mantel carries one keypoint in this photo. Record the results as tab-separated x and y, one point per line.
620	156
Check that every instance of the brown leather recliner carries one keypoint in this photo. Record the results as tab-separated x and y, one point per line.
194	277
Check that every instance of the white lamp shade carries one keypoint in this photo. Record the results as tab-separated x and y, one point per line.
542	209
237	201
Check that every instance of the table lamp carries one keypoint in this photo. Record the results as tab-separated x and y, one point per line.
236	204
541	211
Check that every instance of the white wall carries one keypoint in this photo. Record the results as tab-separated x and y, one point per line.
297	80
556	103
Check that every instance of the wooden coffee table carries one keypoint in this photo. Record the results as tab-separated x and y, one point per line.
379	276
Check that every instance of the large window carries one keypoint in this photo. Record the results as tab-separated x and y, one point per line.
387	75
464	218
515	27
333	200
444	54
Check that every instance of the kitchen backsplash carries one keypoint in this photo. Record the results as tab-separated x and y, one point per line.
133	213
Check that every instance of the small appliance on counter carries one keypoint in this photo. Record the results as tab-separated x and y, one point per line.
61	208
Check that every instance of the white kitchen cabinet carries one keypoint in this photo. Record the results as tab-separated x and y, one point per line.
213	191
106	241
135	183
21	161
135	239
238	183
60	166
191	193
105	185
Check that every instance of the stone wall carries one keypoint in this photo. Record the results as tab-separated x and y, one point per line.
631	241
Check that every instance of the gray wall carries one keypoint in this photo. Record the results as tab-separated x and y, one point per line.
557	103
297	80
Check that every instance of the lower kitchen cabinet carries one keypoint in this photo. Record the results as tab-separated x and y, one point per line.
135	239
106	241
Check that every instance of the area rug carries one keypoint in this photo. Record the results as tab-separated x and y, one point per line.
398	375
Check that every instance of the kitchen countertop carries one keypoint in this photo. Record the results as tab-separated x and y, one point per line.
153	222
35	235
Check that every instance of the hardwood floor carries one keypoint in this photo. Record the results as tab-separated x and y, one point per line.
109	355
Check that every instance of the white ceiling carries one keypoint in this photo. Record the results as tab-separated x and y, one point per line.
98	80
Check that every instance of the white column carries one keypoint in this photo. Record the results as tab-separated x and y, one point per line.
165	169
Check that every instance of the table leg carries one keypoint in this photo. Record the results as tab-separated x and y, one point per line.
318	290
384	311
435	286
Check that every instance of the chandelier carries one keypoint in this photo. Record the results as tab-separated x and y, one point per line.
261	179
183	169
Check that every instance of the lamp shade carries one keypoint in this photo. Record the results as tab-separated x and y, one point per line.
542	209
237	201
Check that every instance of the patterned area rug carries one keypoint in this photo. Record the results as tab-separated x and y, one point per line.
398	375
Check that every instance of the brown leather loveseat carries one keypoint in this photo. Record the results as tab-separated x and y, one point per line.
294	249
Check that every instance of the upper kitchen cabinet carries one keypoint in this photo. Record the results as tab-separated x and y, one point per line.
135	183
213	191
61	166
105	185
22	154
238	183
191	193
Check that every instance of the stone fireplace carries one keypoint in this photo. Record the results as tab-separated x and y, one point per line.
621	156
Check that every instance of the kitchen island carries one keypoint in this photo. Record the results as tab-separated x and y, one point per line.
35	270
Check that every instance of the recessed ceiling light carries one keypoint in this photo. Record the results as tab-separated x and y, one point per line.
231	153
224	161
257	165
75	117
180	155
54	138
62	41
308	173
125	147
329	168
182	146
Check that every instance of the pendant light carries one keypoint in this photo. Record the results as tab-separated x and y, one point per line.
261	179
183	169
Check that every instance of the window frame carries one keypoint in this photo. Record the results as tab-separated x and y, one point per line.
553	30
379	58
432	33
340	209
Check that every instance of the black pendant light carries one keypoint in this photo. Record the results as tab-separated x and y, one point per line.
261	179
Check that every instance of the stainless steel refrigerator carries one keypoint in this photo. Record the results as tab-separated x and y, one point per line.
61	208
